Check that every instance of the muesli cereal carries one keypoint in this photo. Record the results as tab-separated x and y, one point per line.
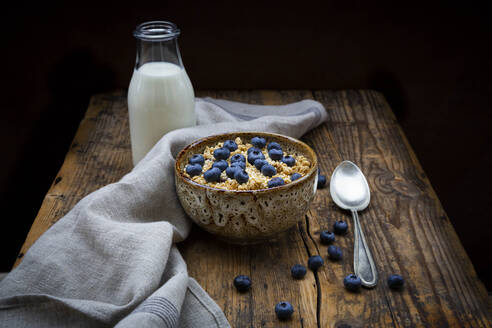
239	165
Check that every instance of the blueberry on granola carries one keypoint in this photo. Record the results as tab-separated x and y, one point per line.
239	164
275	154
295	176
221	153
197	159
254	155
238	158
231	170
275	182
241	176
221	165
193	169
268	170
212	175
289	160
274	145
230	144
258	142
259	163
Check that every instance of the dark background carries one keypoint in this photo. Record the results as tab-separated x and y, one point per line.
432	61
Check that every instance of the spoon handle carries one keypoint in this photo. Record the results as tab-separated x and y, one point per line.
363	263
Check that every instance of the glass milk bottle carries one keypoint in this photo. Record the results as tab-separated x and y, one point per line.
160	95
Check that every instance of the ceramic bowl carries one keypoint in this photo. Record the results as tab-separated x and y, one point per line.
246	216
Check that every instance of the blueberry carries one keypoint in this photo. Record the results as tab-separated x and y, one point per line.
259	163
258	142
321	181
193	169
295	176
275	154
395	281
274	145
212	175
315	262
231	170
289	160
284	310
221	165
242	283
241	176
239	164
352	282
340	227
298	271
197	159
275	182
221	153
238	158
254	155
230	144
253	149
334	252
268	170
326	237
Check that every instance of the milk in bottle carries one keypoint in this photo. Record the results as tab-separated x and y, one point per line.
160	95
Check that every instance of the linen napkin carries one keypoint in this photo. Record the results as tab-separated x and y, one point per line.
112	260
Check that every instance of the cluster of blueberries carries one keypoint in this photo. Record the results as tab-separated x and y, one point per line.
236	169
284	309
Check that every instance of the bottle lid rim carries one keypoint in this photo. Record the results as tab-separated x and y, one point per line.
156	31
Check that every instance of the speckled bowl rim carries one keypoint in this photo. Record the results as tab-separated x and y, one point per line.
194	144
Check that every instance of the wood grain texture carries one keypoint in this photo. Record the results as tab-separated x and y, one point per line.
405	224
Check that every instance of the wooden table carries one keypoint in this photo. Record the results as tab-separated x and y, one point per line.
405	224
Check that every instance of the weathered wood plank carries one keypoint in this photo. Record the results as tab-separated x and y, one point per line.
405	224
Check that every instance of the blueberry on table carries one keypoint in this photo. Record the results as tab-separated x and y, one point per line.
239	164
268	170
242	283
275	154
253	149
221	165
295	176
238	158
197	159
254	155
231	170
284	310
352	282
241	176
212	175
298	271
193	169
259	163
315	262
274	145
289	160
395	281
275	182
221	153
326	237
340	227
230	144
258	142
334	252
321	181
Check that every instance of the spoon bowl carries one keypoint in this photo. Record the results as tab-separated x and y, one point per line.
349	188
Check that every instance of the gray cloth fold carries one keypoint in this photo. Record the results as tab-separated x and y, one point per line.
112	261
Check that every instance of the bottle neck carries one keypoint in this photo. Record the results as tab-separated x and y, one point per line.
158	51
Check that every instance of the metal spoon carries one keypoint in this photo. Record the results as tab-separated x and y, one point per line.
350	191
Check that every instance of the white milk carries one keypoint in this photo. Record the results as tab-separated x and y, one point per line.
160	99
